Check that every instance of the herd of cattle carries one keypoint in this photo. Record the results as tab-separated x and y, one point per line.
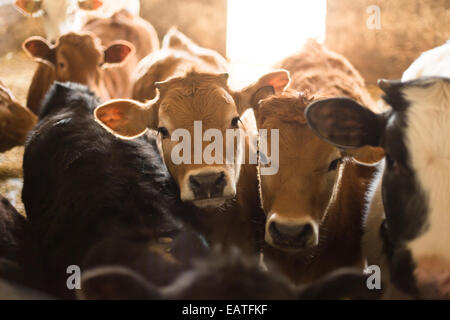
359	183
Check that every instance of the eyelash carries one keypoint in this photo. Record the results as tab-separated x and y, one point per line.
334	164
164	132
235	121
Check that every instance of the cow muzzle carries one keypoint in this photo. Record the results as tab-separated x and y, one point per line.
292	234
208	188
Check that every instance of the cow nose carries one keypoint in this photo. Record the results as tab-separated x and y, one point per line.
295	236
207	185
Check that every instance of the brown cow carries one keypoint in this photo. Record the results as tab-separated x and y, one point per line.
178	54
15	120
227	186
80	57
314	203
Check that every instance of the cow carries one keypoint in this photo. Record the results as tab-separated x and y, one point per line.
183	95
85	189
177	55
64	16
82	57
231	276
407	224
314	204
15	120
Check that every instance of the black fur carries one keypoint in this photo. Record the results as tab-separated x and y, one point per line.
82	185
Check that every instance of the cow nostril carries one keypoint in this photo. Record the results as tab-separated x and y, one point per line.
194	183
306	231
220	180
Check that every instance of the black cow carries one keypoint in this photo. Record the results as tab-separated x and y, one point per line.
84	187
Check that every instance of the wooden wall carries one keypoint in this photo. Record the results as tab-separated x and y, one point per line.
408	27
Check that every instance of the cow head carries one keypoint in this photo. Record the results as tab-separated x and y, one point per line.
194	111
414	135
79	57
15	120
61	16
297	197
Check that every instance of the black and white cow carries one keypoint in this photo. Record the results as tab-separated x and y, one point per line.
408	223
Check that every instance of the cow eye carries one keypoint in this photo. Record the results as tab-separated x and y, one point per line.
61	65
164	132
334	164
390	162
235	121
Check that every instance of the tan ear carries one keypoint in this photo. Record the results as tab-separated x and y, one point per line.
269	84
38	48
126	118
118	51
89	4
28	7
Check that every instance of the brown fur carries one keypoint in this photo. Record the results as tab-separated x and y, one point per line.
15	120
83	53
178	55
303	187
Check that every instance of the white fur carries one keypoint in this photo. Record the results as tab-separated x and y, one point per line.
434	62
63	16
428	142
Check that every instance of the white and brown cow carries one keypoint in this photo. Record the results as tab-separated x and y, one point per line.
184	93
64	16
314	204
408	221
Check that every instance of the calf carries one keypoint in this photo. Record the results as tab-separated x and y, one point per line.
178	54
15	120
83	186
407	224
314	204
225	184
64	16
81	57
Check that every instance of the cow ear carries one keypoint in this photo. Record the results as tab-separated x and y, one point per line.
89	4
269	84
116	283
345	123
28	7
127	119
40	49
118	51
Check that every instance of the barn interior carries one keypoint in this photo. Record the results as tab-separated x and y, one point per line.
381	38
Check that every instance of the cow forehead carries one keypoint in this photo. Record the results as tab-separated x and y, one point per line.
72	44
59	8
213	105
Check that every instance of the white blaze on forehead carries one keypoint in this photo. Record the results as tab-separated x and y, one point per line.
428	143
61	17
